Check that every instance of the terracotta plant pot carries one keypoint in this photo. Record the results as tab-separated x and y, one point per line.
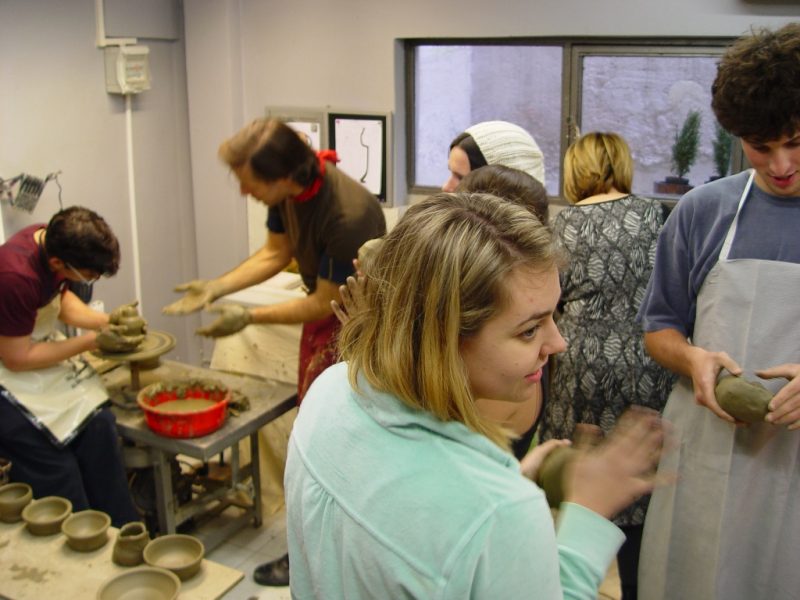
676	186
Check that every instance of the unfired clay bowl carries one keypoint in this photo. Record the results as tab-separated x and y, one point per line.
141	583
86	530
45	515
181	554
13	498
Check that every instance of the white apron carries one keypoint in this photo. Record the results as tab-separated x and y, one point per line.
730	528
57	400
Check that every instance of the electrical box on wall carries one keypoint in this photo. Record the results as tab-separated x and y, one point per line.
127	69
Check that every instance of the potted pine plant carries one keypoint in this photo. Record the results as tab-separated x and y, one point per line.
722	152
684	154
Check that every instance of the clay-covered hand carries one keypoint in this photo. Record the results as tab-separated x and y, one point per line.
530	463
353	295
124	310
704	367
784	408
611	476
112	338
232	318
198	294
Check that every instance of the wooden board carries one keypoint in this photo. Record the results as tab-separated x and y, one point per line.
41	567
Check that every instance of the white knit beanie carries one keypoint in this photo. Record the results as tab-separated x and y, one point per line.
503	143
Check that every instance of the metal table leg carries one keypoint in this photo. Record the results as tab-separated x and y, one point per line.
255	473
165	499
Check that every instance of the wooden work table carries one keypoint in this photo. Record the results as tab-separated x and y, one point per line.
41	567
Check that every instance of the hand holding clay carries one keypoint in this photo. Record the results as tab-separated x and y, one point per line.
745	400
611	476
199	293
114	338
232	318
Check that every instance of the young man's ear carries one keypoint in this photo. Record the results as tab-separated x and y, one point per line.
56	264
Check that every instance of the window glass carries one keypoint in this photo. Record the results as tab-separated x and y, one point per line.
646	99
458	86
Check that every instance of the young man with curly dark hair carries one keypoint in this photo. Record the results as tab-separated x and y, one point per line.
722	300
54	427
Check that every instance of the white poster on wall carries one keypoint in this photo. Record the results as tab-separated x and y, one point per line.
359	144
311	130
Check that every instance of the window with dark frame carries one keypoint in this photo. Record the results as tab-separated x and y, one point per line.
643	89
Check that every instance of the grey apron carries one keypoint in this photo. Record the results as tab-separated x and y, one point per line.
730	528
57	400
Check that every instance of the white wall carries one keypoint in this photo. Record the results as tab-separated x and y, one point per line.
233	58
346	53
56	115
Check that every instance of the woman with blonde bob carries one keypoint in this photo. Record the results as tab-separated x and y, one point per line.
397	485
610	235
597	165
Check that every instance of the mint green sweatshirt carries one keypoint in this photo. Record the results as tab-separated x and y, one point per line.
385	501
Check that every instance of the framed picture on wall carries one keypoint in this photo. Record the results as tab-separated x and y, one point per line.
363	142
309	122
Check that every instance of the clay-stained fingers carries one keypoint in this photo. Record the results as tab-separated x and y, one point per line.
638	440
340	313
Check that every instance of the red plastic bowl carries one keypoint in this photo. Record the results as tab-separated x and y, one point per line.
180	424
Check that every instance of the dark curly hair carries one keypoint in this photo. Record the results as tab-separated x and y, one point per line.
756	94
81	238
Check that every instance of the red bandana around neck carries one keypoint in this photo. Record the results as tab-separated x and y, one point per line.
323	156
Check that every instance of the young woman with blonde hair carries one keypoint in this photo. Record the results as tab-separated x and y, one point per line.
397	484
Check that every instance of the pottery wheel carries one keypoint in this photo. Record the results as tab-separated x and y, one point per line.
154	345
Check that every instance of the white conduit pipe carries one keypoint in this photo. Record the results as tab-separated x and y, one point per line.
137	272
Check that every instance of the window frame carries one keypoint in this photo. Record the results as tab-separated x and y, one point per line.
574	50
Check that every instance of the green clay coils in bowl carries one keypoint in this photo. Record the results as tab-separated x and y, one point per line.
550	476
181	554
141	583
744	400
86	530
14	497
45	515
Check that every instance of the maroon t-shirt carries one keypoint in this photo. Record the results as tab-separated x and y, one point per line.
26	283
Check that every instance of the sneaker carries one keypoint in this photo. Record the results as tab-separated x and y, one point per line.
275	573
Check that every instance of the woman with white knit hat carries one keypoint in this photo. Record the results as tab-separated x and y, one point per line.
493	143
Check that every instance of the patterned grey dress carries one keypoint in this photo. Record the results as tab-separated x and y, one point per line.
611	247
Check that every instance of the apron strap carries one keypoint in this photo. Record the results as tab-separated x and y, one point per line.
726	245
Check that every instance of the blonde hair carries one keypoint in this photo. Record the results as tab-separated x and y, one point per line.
439	276
594	164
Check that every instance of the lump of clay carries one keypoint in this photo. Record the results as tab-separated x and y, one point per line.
126	330
744	400
550	476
